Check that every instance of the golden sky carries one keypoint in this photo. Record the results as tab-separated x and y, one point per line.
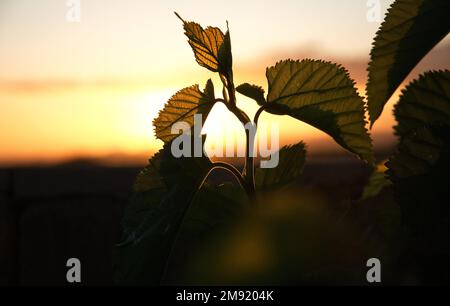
91	88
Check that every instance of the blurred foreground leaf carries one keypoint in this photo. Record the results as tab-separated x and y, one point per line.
425	101
291	238
253	92
420	174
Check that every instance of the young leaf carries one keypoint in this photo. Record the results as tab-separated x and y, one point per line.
410	30
182	107
425	100
163	193
211	48
322	95
290	167
253	92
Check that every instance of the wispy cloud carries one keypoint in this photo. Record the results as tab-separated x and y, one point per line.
356	65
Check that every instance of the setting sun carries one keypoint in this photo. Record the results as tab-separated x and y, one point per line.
92	88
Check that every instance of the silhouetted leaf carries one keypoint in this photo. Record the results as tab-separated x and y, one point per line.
322	95
163	192
253	92
417	154
425	101
225	56
182	107
207	44
377	182
410	30
289	168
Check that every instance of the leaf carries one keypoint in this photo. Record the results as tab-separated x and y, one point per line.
253	92
163	192
226	56
377	182
322	95
410	30
425	101
289	168
182	107
211	48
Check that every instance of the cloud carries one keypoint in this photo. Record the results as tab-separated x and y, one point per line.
50	85
252	70
356	65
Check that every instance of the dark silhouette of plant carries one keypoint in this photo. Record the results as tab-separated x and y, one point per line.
318	93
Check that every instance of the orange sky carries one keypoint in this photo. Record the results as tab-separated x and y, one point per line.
92	88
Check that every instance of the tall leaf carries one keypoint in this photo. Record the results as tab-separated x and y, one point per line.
322	95
213	210
410	30
424	101
289	168
163	192
182	107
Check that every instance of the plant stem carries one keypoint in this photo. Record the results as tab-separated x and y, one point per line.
258	113
216	165
229	100
230	168
248	171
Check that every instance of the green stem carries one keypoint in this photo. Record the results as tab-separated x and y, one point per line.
258	113
230	101
248	171
249	166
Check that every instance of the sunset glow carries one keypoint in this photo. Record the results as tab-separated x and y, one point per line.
92	89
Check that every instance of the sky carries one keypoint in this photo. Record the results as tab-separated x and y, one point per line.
92	88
